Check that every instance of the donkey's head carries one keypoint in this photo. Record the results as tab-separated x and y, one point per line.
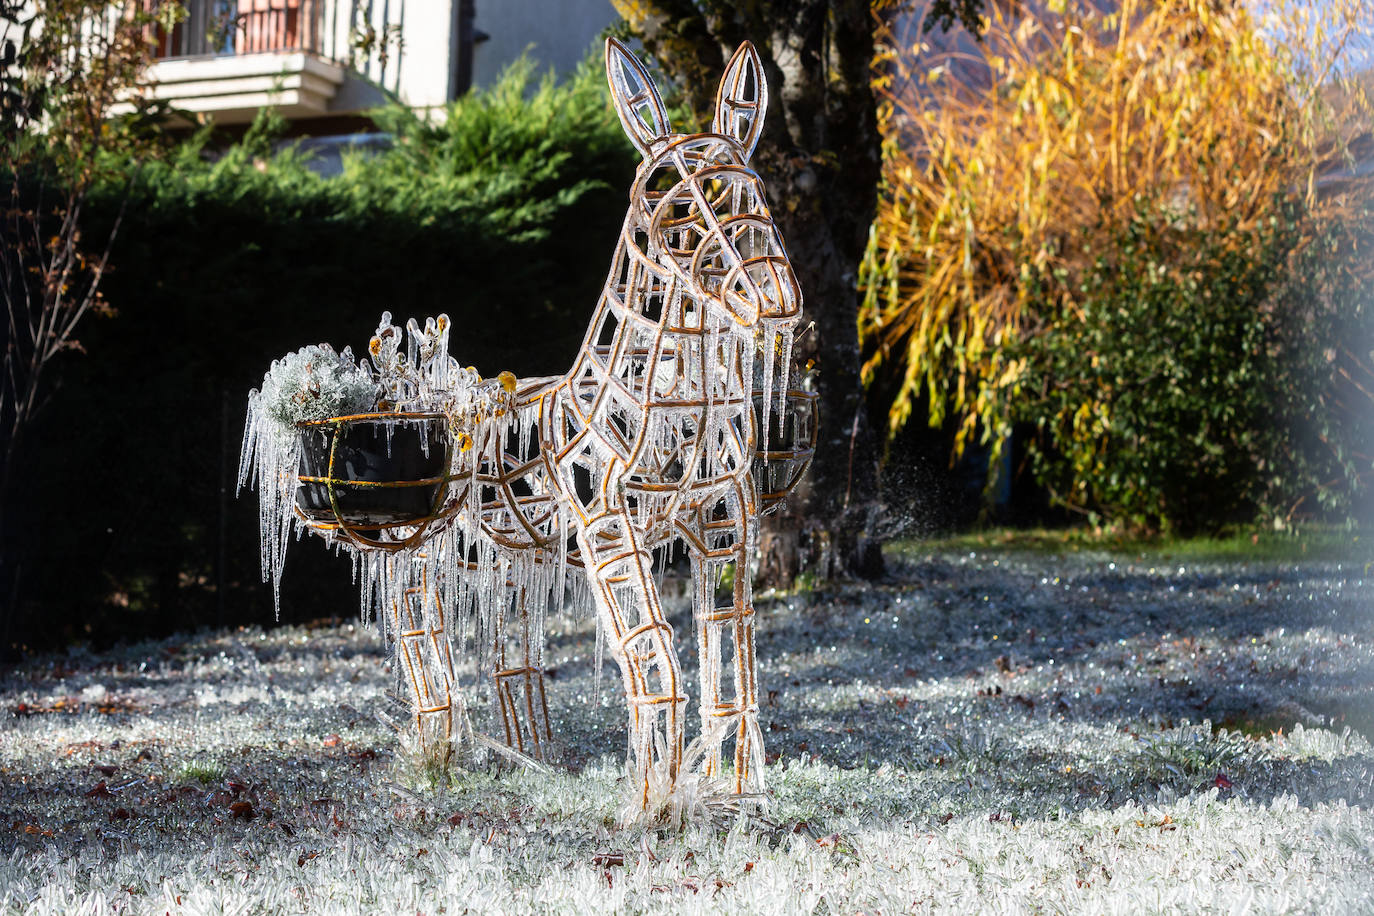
697	211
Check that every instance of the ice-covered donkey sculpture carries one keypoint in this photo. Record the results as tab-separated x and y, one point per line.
658	434
651	437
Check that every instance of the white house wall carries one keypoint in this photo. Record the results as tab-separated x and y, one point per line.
412	58
409	60
561	31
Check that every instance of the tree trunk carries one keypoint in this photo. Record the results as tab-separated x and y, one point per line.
819	157
829	523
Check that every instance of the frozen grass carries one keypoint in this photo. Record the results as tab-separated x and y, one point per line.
1008	732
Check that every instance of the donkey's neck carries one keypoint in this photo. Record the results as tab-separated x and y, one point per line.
645	315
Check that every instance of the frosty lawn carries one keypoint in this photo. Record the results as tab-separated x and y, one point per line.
993	732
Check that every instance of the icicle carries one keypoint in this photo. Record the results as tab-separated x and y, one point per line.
248	447
600	661
769	354
561	547
785	368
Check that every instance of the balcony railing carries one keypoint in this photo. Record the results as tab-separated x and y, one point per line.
235	27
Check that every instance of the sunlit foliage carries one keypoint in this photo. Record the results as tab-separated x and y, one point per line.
1015	170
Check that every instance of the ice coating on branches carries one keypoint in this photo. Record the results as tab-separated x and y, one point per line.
315	383
424	377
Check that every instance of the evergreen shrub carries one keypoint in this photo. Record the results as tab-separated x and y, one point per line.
502	214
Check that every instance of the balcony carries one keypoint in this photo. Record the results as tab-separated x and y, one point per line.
230	58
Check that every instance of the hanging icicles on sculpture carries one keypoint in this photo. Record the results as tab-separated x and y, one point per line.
468	504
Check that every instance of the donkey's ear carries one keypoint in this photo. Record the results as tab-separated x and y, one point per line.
636	98
742	99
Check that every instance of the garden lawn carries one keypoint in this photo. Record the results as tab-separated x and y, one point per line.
986	731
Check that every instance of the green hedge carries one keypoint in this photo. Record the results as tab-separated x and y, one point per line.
504	217
1194	382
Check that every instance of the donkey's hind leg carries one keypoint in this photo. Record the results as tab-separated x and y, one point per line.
722	538
519	678
641	641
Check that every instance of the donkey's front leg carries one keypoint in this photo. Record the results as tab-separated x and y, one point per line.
723	537
420	636
641	641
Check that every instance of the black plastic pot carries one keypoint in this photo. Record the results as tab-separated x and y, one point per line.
374	470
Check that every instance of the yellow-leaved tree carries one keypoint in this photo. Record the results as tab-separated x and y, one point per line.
1081	176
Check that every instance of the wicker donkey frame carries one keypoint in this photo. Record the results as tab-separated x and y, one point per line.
651	437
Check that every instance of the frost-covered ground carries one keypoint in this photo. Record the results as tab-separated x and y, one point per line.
983	733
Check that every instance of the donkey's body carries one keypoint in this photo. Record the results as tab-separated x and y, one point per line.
650	436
